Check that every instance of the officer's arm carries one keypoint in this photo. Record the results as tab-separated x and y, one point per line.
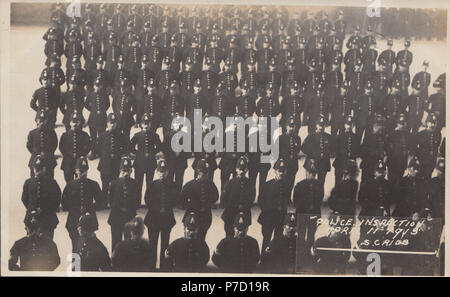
30	142
25	197
255	253
88	145
62	105
33	103
204	254
148	195
214	193
56	195
218	255
55	259
62	77
99	199
65	200
185	195
105	262
14	258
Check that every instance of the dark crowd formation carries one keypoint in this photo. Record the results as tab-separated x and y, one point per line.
153	63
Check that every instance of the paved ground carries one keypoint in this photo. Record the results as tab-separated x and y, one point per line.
26	62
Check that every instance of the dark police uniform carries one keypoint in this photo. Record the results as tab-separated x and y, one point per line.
237	254
122	196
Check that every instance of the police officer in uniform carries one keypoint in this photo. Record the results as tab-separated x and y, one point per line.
110	146
346	147
274	200
237	196
97	102
342	199
72	101
122	196
238	253
46	98
133	254
145	144
317	146
92	252
41	194
307	198
400	145
199	195
290	145
376	194
189	253
73	144
43	141
81	195
411	193
35	251
428	141
373	148
160	197
280	255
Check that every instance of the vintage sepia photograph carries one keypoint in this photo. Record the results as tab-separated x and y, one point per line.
223	138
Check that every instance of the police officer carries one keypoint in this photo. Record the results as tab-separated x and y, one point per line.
290	145
376	194
110	146
73	144
341	108
436	105
122	196
416	105
54	74
428	141
92	252
97	102
173	105
72	101
199	195
112	52
161	196
80	196
394	106
237	197
274	200
373	148
229	78
155	55
436	193
119	75
177	161
73	47
366	109
346	147
196	54
42	141
41	194
388	55
209	79
342	199
400	145
133	254
53	45
145	144
189	253
35	251
424	77
187	78
317	146
411	193
292	105
307	198
404	57
46	98
98	73
124	106
280	255
238	253
318	107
